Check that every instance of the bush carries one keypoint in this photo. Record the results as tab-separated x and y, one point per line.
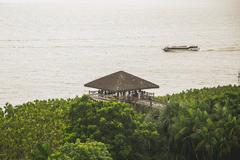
115	124
82	151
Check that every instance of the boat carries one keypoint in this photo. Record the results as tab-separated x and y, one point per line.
181	48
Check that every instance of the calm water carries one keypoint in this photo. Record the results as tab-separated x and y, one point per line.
51	51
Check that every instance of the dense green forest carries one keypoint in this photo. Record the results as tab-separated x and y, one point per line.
198	124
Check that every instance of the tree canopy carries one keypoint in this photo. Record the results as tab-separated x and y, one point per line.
195	124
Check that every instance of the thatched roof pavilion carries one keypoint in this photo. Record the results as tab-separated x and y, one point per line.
121	82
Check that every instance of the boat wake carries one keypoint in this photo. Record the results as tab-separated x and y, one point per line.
223	49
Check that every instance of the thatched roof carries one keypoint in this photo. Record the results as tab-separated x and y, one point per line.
121	81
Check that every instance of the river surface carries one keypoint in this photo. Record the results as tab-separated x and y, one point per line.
52	50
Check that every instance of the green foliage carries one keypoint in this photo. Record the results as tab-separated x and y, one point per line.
24	127
82	151
115	124
202	124
196	124
194	96
42	152
37	129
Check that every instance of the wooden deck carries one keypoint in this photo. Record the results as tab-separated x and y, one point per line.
143	102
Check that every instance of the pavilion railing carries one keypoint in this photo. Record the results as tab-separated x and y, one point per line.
129	97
